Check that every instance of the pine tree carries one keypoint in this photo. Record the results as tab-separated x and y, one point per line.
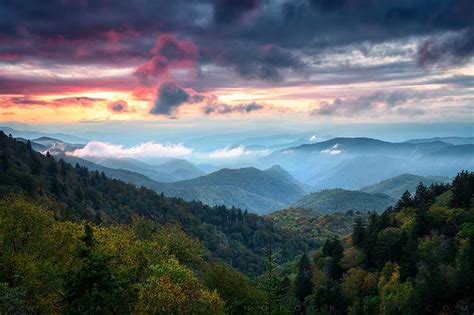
271	284
358	233
463	190
90	288
406	201
303	286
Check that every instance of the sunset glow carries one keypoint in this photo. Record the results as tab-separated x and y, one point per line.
71	70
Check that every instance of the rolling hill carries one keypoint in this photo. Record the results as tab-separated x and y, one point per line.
396	186
340	200
250	188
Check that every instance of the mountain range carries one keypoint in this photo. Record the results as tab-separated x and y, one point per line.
286	175
247	188
354	163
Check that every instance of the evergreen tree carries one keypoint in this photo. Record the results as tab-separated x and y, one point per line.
333	248
406	201
271	283
303	286
463	190
358	233
90	288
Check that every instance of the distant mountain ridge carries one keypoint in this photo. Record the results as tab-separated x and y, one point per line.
31	134
451	140
276	186
354	163
364	145
341	200
396	186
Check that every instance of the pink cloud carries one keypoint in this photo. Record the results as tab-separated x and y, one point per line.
168	53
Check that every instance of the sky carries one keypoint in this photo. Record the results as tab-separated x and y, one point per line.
186	64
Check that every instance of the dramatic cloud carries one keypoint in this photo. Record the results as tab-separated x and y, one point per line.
144	150
83	47
118	106
452	49
265	62
230	11
170	97
168	54
373	103
223	109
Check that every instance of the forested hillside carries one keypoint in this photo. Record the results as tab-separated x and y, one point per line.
314	225
415	258
341	200
74	193
50	266
396	186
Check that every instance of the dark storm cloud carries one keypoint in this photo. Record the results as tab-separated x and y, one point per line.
265	62
257	39
372	103
223	109
229	11
454	49
170	97
68	25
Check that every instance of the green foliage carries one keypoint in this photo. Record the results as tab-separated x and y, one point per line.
396	186
51	266
91	287
171	288
314	226
415	259
303	286
234	288
463	190
340	200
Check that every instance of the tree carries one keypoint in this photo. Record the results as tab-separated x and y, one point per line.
406	201
303	286
234	288
358	233
463	190
271	283
334	250
173	289
90	287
